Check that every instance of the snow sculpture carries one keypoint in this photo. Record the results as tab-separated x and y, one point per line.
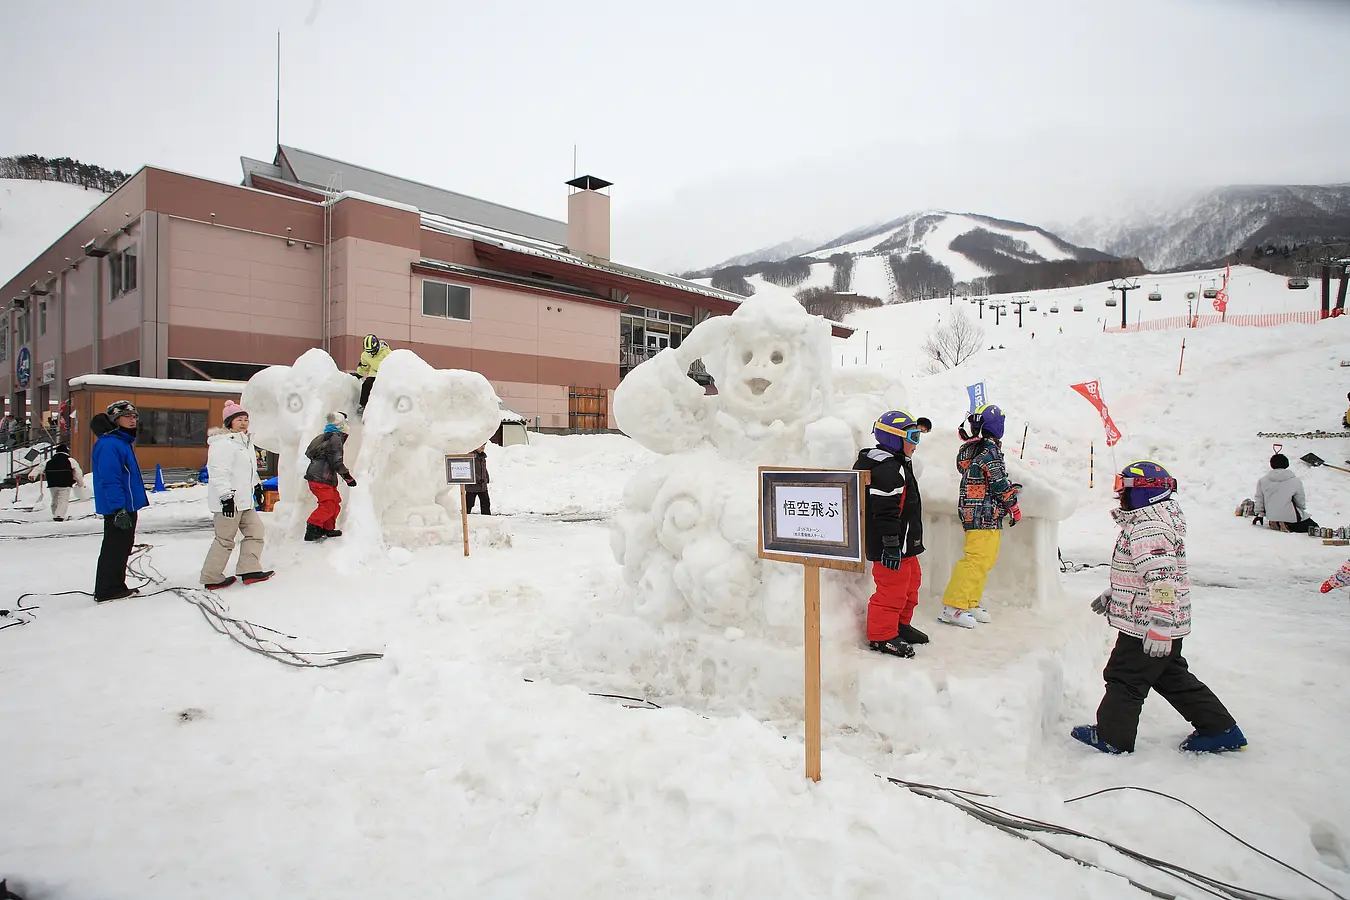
687	536
286	408
417	415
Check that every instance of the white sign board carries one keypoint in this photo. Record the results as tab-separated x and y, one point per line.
810	513
49	371
461	469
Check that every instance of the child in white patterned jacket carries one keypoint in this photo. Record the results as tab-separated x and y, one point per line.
1149	603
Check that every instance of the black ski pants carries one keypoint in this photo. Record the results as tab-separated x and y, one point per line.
366	384
1131	673
485	502
111	577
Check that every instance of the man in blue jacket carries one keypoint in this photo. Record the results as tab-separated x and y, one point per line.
118	494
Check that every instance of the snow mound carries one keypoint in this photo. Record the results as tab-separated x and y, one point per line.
33	214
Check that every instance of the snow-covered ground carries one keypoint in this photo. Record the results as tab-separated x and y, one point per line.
33	214
148	756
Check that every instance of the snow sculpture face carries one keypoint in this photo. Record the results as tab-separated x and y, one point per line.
775	359
414	405
287	404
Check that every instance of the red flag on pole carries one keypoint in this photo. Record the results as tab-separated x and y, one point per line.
1091	390
1221	300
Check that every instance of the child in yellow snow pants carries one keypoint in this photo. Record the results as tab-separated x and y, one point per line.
967	582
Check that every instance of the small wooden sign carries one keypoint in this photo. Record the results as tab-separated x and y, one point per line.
461	468
813	517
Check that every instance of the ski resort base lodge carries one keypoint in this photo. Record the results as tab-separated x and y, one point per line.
179	277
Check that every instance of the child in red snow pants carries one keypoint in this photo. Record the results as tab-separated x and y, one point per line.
330	504
896	597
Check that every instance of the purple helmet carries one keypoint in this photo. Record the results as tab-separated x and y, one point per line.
1143	483
894	428
988	420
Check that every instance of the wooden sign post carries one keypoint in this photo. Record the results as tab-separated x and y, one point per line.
462	469
813	517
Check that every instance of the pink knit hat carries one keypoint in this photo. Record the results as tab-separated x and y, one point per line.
232	409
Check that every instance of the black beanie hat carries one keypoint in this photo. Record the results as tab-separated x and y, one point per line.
1279	461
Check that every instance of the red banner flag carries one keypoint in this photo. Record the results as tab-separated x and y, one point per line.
1091	390
1221	300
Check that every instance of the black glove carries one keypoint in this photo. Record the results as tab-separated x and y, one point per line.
257	496
351	482
122	520
1259	520
890	552
227	506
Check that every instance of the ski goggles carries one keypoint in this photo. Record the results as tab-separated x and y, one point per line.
1122	482
911	434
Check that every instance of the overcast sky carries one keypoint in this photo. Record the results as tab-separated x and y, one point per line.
725	124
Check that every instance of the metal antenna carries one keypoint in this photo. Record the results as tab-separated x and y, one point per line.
278	88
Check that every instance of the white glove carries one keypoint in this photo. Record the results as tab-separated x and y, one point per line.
1158	638
1103	601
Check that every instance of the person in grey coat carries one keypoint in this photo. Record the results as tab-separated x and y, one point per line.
1279	499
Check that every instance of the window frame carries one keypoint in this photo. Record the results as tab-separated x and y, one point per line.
118	283
448	285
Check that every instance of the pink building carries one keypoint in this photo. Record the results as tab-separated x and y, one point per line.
174	276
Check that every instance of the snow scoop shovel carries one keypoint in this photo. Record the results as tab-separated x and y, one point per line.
1314	460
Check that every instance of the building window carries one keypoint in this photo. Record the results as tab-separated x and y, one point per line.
172	427
121	272
21	329
131	368
211	370
445	301
4	339
42	318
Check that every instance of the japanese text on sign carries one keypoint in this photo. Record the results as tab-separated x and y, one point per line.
810	513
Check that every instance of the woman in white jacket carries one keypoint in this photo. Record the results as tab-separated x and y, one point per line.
1279	499
232	473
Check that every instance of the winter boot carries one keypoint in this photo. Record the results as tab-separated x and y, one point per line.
1088	735
314	532
911	635
981	615
961	617
332	532
1223	742
220	585
255	577
893	647
118	595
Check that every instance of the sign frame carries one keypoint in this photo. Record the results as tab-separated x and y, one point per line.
851	556
452	459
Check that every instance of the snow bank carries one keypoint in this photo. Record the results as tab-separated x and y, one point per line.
33	214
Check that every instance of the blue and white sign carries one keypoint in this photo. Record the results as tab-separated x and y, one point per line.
23	367
976	392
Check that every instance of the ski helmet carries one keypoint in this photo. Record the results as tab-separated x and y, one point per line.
371	344
894	428
1143	483
987	421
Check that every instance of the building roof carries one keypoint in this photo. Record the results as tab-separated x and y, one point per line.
134	383
327	174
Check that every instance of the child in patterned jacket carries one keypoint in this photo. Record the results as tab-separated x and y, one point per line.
1149	603
1339	579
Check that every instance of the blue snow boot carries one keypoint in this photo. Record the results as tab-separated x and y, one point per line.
1088	735
1223	742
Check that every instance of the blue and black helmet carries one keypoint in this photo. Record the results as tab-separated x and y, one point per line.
371	344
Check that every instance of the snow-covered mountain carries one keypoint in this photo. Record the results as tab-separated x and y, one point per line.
970	246
33	214
1210	225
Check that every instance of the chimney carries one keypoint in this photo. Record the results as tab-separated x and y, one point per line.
588	217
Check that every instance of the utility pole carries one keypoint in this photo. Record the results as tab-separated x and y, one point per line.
1019	303
1124	285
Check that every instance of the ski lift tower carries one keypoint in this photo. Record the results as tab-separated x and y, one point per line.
1124	285
1019	303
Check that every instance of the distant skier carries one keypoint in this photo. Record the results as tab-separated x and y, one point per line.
894	534
1279	498
232	471
61	473
986	497
1149	603
325	467
478	491
1345	420
373	352
1339	579
119	493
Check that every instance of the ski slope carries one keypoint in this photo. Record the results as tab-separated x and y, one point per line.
153	758
33	214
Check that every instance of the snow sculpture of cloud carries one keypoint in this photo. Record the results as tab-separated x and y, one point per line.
417	415
286	408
